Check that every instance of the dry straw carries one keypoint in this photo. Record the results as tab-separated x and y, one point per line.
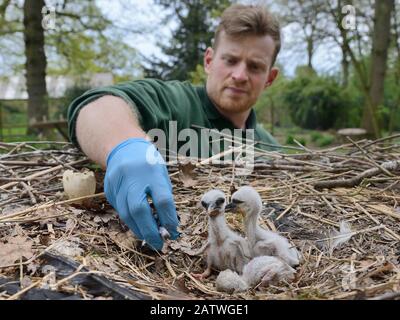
306	193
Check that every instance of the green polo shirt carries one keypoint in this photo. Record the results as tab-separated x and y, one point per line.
157	103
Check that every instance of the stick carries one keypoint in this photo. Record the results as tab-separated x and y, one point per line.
286	210
355	181
48	205
41	173
19	293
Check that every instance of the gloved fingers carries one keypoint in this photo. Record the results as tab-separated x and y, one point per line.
141	213
166	211
125	215
120	204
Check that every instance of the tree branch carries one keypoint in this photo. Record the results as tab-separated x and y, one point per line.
329	184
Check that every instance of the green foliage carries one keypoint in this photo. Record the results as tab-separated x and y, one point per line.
325	140
291	140
390	111
315	102
70	94
315	136
195	30
272	102
83	42
198	76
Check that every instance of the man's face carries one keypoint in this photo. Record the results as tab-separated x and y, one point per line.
238	71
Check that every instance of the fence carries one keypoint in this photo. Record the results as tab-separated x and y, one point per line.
14	121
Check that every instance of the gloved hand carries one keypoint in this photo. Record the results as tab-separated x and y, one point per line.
136	169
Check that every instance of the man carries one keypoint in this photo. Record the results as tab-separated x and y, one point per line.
110	124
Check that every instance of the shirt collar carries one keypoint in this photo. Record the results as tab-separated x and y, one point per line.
213	113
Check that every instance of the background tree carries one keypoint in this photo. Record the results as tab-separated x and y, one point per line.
196	21
379	55
82	42
35	66
307	18
365	47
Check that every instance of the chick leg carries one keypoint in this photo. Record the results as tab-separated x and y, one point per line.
203	275
206	272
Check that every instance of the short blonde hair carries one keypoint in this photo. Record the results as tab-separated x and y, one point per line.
240	20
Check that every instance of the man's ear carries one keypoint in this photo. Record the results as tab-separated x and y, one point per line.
273	73
208	56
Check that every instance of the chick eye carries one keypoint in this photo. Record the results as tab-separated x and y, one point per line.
204	204
219	201
236	201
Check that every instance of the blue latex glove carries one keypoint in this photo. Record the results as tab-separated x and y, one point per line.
136	169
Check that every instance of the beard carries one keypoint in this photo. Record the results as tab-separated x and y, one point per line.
231	103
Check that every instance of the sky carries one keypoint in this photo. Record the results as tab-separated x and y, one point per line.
148	17
146	20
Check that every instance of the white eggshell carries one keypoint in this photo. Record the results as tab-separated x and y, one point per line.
79	184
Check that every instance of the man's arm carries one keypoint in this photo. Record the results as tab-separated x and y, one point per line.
109	133
103	124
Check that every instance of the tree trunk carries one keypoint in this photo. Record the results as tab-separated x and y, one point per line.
396	106
310	51
345	66
380	45
35	66
272	115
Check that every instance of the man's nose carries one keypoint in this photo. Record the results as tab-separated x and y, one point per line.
240	73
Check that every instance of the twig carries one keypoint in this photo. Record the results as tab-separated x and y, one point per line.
41	173
387	296
48	205
370	159
21	292
390	165
390	232
287	209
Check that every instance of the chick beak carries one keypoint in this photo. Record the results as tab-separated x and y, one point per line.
231	207
213	212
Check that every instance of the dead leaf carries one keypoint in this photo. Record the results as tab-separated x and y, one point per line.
159	264
180	283
103	218
184	246
69	248
18	231
199	229
349	280
70	224
184	217
125	239
16	248
382	208
32	268
76	211
186	174
107	265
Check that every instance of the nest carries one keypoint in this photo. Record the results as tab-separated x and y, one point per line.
50	245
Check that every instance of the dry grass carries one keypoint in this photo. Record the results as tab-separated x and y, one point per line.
36	218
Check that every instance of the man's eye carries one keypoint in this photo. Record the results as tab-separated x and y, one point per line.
230	61
255	67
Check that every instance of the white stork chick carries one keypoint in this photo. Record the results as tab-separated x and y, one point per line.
225	248
260	271
263	242
266	270
229	281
